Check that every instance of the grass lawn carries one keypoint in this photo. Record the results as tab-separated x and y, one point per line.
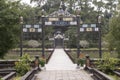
17	78
115	77
92	52
16	55
89	49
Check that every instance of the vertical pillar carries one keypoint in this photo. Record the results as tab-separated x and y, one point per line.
78	35
21	36
37	61
43	38
100	47
87	62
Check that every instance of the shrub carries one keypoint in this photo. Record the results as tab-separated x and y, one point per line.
84	43
107	64
104	44
42	62
23	66
33	43
81	62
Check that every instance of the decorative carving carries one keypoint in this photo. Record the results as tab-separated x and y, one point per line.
62	12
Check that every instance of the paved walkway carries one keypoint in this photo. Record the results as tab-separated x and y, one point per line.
60	61
63	75
60	67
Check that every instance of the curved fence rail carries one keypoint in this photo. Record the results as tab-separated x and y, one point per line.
117	73
49	56
69	56
7	63
98	75
9	76
29	75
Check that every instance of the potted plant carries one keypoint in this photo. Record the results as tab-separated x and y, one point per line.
42	62
81	62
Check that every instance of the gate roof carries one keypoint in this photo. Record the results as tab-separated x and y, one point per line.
61	12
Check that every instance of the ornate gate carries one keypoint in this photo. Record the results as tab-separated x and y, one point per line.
60	19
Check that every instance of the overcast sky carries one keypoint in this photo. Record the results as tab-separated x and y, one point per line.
27	1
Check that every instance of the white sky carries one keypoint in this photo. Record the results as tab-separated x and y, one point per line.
28	2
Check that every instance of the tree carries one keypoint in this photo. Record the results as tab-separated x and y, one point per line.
107	64
30	14
9	30
113	37
72	37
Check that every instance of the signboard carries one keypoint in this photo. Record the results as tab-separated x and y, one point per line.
31	31
89	25
88	28
32	28
60	21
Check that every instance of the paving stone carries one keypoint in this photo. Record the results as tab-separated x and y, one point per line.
60	67
66	75
60	61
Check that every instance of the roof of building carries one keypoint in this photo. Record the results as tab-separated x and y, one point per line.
59	36
61	12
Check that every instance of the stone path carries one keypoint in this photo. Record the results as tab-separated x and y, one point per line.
60	61
63	75
60	67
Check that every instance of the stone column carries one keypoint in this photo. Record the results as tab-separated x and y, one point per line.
87	62
37	61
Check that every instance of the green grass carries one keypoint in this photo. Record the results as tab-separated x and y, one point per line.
89	49
95	54
17	78
92	53
29	49
16	55
114	77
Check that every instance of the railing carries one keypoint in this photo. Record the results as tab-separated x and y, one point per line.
29	75
117	73
69	56
3	74
28	50
98	75
49	56
88	69
9	76
7	63
7	70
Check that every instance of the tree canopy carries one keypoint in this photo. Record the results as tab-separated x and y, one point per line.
9	18
113	37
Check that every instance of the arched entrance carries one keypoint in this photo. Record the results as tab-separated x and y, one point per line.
59	40
59	43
